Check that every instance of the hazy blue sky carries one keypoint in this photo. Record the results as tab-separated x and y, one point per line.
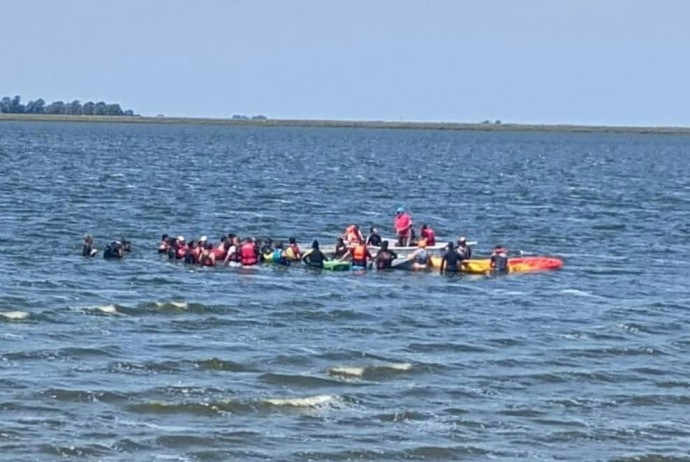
580	61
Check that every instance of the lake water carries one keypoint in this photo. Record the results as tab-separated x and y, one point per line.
147	360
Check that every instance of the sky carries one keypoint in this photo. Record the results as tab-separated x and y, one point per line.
600	62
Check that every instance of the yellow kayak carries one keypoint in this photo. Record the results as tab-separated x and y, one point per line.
515	265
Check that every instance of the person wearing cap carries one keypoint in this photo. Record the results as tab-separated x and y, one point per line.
403	227
464	250
499	260
87	249
451	260
180	248
314	258
374	238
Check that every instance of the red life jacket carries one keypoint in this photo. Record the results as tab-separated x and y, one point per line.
430	236
181	252
248	256
220	253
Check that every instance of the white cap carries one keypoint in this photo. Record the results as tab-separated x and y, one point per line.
180	238
203	239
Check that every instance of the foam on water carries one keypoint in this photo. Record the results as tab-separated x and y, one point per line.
316	401
15	315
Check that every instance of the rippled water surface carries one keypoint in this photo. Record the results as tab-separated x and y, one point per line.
144	360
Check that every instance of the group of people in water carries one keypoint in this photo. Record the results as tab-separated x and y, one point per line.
352	246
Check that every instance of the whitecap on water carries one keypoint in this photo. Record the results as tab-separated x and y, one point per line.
359	371
307	401
15	315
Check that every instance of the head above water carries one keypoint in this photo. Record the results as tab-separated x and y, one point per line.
424	226
451	245
292	240
421	244
384	245
164	237
339	241
373	230
462	240
315	244
400	209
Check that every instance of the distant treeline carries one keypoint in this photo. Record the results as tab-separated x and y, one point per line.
14	106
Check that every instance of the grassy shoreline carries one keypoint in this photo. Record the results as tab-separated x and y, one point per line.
490	127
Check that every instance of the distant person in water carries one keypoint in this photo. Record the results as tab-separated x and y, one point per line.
420	257
360	254
164	245
464	250
293	253
499	260
126	245
114	250
340	248
87	249
314	258
374	238
450	263
279	256
207	257
384	257
403	227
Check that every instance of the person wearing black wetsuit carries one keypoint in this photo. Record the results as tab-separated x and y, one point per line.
374	238
114	251
88	250
314	258
451	260
384	257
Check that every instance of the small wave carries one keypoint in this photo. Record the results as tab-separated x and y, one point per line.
183	305
369	371
15	315
110	309
317	401
577	293
217	364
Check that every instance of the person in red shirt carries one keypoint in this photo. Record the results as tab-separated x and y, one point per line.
425	232
403	227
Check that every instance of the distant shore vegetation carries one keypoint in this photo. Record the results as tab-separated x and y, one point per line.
89	108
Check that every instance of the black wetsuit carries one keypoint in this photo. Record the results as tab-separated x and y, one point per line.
113	251
452	259
86	250
384	259
315	258
464	252
374	240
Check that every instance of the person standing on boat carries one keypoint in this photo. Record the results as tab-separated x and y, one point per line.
403	227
